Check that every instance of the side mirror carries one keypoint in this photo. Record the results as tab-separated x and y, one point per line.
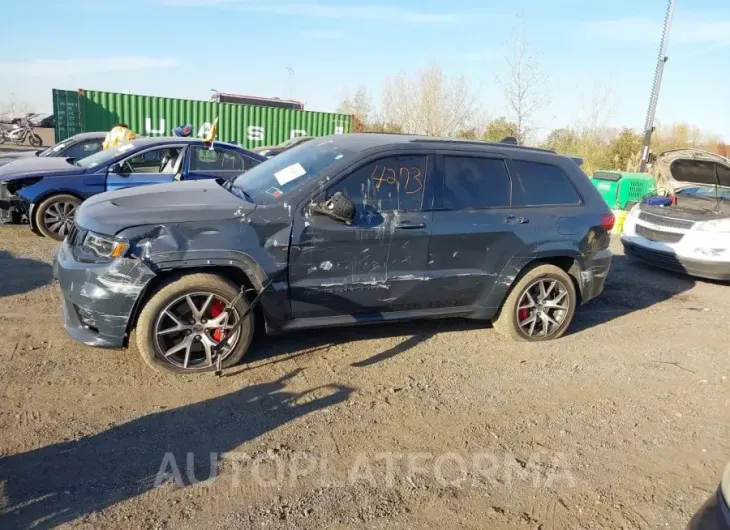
337	207
118	169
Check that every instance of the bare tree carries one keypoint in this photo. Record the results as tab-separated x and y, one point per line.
358	106
525	85
13	107
597	106
433	103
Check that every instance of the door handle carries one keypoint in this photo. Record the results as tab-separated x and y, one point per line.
405	225
513	220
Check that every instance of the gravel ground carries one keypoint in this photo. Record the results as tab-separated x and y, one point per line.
437	424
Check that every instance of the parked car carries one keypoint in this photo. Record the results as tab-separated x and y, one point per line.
49	190
79	146
353	229
693	234
269	151
715	513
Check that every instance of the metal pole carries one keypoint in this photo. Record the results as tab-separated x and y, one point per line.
290	71
661	61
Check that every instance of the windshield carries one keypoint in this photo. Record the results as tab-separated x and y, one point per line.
706	192
51	151
281	175
102	157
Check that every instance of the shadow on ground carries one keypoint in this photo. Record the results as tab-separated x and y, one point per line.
281	348
631	286
22	275
65	481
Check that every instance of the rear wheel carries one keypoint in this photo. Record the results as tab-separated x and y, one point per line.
182	323
55	216
541	306
35	140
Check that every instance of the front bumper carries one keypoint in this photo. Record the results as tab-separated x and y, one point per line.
714	515
10	204
99	299
665	259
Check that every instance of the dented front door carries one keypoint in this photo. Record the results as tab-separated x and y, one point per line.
375	265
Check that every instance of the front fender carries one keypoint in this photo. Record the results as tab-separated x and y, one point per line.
81	186
196	245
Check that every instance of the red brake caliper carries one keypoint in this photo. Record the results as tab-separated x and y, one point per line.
216	309
523	314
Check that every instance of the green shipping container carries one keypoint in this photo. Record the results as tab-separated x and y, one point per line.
246	125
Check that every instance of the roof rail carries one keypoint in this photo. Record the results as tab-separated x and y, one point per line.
501	143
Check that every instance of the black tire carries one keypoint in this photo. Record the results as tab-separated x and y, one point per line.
167	293
3	138
506	321
35	140
56	203
16	217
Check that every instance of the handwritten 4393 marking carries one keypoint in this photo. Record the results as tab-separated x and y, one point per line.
408	178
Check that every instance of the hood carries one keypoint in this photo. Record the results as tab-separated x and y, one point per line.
690	167
176	202
6	158
38	166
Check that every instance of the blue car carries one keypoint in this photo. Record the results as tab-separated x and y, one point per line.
48	191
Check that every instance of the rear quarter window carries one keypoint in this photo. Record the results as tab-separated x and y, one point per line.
540	184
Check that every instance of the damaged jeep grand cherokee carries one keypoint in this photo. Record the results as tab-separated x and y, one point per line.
347	229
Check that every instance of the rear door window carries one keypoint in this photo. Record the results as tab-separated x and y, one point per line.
475	183
540	184
204	159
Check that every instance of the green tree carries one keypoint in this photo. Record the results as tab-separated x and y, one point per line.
624	147
563	140
499	129
468	134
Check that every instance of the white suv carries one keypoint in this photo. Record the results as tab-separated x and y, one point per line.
692	235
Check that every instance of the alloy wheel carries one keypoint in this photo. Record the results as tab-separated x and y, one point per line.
59	217
191	326
543	308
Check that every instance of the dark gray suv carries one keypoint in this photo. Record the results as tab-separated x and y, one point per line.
347	229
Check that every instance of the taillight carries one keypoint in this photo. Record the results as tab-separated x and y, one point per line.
607	221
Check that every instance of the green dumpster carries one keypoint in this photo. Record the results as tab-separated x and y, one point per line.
622	189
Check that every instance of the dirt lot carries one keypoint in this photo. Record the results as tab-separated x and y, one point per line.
623	423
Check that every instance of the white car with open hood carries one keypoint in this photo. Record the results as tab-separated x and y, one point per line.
692	235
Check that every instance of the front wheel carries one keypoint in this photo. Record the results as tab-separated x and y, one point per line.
35	140
541	305
55	216
3	138
180	326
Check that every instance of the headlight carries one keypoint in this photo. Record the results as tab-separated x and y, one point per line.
634	211
104	246
725	486
716	225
